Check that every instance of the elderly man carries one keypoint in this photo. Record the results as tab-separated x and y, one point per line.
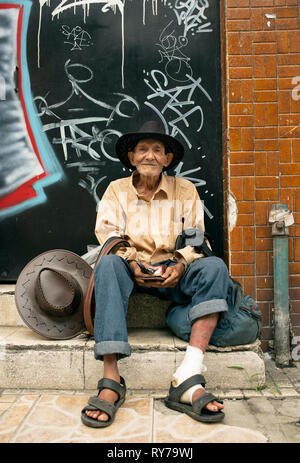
149	209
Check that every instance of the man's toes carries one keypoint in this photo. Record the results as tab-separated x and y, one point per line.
103	417
214	406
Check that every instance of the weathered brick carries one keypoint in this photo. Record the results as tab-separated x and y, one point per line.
247	90
284	102
265	84
288	71
240	72
234	90
289	119
285	151
240	108
258	66
266	145
247	135
271	114
263	36
259	111
235	143
246	207
242	157
290	180
248	188
264	244
238	13
263	232
246	43
290	169
289	132
287	12
256	18
270	66
236	239
250	286
248	239
296	150
238	25
264	48
242	269
282	42
287	23
266	132
289	59
240	60
294	41
267	194
262	263
267	182
241	121
261	163
233	41
264	282
273	163
265	95
240	170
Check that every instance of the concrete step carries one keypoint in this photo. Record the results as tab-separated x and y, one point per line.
29	361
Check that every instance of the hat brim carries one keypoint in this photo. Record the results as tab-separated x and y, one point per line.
128	141
43	323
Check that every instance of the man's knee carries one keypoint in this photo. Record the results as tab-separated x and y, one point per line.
108	264
212	267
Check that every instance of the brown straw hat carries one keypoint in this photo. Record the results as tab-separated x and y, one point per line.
50	294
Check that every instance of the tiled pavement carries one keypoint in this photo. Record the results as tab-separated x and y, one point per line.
268	416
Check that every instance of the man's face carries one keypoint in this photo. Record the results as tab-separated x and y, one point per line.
149	157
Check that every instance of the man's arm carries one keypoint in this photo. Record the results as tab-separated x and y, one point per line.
193	215
111	221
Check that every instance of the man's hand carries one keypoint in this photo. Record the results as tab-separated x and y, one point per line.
172	276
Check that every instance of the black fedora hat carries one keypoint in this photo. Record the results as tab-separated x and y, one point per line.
50	294
150	129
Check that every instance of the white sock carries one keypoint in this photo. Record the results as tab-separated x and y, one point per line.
192	364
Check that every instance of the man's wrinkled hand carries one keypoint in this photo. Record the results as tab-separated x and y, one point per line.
172	276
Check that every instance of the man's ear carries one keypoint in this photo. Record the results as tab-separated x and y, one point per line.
131	157
169	159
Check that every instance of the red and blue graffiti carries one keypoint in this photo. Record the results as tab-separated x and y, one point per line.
27	161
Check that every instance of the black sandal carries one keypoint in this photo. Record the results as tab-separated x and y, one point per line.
196	410
97	404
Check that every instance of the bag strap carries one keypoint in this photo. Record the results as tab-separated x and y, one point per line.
89	299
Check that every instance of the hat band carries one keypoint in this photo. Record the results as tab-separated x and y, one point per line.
57	292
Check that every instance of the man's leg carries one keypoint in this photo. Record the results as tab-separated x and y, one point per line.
113	286
206	284
201	332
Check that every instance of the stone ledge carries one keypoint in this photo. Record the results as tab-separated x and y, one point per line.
140	339
29	361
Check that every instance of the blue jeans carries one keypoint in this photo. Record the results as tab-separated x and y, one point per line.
201	291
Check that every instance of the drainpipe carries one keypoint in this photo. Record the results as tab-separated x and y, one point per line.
281	218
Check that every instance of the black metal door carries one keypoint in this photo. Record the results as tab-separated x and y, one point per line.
90	71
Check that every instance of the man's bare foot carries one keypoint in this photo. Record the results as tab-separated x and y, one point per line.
109	396
211	406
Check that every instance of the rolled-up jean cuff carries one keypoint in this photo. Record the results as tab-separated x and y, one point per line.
120	348
207	308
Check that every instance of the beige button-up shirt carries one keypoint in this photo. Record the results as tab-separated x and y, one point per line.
151	227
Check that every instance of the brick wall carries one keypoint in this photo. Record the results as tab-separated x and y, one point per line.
261	56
